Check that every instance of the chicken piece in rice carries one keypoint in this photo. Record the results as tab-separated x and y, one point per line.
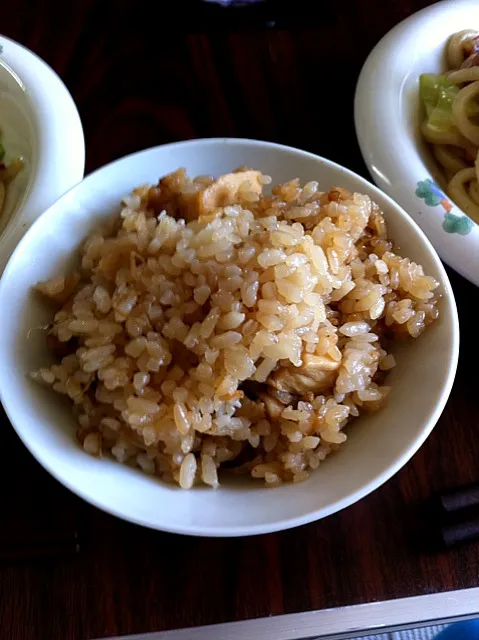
216	326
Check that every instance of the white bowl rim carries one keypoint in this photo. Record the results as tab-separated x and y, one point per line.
399	173
277	525
60	136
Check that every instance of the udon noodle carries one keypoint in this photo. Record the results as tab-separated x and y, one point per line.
7	173
451	125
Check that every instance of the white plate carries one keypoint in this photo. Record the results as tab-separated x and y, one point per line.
40	122
378	444
387	125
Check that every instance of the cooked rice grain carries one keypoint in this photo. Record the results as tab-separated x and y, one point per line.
212	325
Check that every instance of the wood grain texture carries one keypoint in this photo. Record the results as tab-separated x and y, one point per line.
139	80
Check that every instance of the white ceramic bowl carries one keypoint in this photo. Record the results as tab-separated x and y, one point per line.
387	116
378	445
40	122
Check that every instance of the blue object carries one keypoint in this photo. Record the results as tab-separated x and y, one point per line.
468	630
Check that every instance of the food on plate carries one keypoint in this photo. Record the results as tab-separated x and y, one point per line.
217	324
7	172
451	123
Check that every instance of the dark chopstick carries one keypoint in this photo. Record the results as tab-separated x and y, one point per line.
460	498
452	516
460	532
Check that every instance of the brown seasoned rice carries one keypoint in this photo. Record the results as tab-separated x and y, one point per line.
211	325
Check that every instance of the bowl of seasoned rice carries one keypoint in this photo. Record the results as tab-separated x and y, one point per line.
225	337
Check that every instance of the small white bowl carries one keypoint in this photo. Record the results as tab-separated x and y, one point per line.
40	122
387	117
378	445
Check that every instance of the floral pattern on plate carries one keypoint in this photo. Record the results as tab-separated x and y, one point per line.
433	196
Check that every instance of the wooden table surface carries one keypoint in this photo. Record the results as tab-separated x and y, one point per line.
140	79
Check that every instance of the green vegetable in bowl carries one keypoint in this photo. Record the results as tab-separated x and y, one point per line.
437	94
